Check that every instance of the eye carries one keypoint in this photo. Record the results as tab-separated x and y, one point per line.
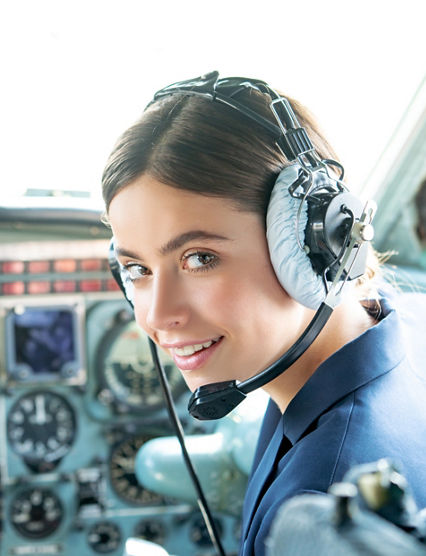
134	271
199	261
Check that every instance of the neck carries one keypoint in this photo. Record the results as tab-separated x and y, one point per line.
348	321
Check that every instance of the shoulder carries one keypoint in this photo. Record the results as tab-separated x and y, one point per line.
410	305
410	308
384	418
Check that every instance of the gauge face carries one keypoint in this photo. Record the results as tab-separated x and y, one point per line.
41	427
36	513
104	537
122	473
151	530
128	371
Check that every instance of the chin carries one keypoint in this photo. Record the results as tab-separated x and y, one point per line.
194	383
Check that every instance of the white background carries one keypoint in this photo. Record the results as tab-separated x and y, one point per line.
75	73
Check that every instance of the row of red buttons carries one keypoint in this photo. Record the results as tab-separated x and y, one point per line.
58	286
57	265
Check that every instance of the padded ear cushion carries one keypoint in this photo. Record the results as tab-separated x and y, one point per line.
291	264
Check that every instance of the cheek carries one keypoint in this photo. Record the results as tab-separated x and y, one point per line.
141	307
244	299
246	303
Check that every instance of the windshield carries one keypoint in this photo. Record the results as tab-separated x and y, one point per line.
76	74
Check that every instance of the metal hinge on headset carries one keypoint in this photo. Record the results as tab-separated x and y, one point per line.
294	141
298	141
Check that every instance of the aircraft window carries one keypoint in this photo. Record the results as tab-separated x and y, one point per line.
420	201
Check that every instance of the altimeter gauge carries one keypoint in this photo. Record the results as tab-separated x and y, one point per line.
41	428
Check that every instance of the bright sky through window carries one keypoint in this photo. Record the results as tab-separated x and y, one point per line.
76	73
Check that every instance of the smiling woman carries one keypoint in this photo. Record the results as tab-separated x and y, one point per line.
209	196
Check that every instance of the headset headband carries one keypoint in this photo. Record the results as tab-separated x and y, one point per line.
290	137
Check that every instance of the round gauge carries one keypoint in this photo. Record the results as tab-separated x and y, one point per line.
151	530
104	537
36	513
127	371
41	428
122	473
198	531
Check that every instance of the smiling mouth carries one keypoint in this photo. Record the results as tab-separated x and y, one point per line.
190	350
191	357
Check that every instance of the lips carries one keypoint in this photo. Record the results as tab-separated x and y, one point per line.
194	356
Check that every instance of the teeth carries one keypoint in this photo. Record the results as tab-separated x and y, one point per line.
189	350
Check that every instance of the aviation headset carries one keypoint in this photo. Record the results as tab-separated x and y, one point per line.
306	201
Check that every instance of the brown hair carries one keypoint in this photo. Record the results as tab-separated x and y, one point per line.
207	147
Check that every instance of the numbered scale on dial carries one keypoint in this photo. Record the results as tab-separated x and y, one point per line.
127	375
41	428
36	513
122	473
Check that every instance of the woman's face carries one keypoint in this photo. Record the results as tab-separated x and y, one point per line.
205	290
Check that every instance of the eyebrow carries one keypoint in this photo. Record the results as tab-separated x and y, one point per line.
175	243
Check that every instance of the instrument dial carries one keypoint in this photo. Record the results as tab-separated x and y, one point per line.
104	537
36	513
122	473
127	371
151	530
41	428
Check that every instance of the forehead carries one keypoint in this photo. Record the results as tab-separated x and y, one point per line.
148	197
150	211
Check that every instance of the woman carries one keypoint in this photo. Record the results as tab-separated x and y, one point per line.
187	191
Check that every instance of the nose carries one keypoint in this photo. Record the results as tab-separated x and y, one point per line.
166	305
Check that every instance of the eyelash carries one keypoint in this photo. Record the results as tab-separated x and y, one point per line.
205	267
130	267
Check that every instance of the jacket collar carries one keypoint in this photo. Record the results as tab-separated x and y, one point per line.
378	350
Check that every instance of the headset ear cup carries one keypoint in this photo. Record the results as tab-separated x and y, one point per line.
291	263
129	287
120	274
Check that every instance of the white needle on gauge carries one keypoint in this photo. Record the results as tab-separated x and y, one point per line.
40	416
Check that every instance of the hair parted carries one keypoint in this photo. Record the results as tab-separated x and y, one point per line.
206	147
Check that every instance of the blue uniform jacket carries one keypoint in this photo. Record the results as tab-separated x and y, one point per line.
367	401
